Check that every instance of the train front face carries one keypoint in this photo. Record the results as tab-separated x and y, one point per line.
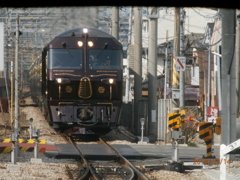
84	85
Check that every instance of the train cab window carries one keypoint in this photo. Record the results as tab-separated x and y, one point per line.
105	59
65	59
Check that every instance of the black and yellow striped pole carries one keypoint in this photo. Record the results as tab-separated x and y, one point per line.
206	133
174	120
218	129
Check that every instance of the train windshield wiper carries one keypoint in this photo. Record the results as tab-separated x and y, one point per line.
64	44
104	47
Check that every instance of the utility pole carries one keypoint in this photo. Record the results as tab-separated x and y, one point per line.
176	53
182	73
12	75
137	62
152	70
21	85
166	69
129	42
238	63
16	76
228	73
14	138
115	22
209	79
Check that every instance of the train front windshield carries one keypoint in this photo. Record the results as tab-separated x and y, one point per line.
105	59
65	58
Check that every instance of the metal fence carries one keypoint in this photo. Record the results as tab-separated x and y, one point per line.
192	111
164	107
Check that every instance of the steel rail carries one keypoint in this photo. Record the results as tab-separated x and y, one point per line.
136	173
85	164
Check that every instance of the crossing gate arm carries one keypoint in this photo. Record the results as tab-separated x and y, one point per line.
231	147
224	151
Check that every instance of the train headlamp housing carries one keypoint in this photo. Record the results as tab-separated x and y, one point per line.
108	80
63	80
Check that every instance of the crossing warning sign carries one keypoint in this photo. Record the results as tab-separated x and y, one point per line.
180	63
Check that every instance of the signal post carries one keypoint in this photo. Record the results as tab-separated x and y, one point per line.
206	132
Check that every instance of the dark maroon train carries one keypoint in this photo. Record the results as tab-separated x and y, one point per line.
77	81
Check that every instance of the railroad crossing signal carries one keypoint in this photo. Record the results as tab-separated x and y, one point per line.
205	130
206	133
180	63
174	120
218	130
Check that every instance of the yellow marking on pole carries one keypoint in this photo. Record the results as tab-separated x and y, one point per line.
175	78
7	150
218	130
24	148
31	141
206	133
42	142
174	120
20	140
6	140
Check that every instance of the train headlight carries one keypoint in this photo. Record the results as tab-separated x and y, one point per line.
59	80
85	30
90	43
63	80
108	80
80	43
111	81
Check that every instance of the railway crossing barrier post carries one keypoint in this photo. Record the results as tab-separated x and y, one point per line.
36	133
174	122
13	152
175	135
206	133
15	147
30	130
142	120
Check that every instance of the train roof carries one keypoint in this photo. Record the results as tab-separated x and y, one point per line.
78	32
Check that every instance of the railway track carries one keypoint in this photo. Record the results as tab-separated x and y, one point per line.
23	103
117	168
104	169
